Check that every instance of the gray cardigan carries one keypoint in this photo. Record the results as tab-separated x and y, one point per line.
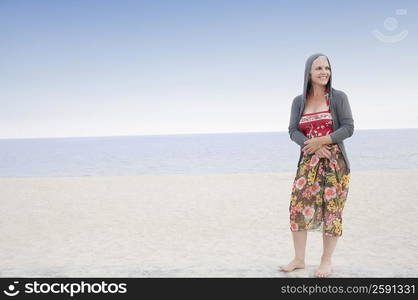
343	123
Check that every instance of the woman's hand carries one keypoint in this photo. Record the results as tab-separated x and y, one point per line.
313	144
324	152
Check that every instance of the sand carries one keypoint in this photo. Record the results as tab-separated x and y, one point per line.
222	225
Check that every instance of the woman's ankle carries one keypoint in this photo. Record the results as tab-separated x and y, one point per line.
326	260
299	260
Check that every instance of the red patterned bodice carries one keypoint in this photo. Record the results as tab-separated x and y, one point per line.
317	123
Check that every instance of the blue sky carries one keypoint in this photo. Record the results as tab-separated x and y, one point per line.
106	68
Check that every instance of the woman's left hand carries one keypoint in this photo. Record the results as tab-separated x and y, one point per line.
312	145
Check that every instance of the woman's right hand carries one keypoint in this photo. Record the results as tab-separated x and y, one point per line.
324	151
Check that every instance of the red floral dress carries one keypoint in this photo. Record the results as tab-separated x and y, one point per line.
317	123
320	187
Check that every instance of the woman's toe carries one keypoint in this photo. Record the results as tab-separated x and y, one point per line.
320	274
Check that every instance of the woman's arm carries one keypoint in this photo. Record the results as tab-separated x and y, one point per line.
295	134
345	119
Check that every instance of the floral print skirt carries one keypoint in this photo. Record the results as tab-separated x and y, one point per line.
319	193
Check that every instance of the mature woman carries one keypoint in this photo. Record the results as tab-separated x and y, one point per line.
320	121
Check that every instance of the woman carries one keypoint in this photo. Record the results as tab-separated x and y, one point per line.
320	120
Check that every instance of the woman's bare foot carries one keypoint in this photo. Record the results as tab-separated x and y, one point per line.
324	269
293	265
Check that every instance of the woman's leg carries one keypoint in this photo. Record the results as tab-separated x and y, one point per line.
299	243
329	244
336	188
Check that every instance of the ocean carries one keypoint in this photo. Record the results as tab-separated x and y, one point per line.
257	152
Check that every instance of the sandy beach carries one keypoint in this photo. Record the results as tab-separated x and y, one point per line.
224	225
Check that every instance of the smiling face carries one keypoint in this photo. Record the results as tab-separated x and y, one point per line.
320	71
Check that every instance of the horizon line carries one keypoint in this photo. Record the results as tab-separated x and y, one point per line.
188	133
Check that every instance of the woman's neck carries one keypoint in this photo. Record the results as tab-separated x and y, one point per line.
317	90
